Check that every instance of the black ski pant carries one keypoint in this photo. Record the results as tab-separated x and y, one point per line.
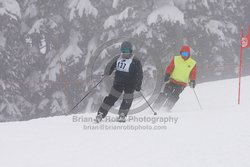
114	95
170	94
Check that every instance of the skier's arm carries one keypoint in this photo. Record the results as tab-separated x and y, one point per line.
192	76
170	67
110	66
169	70
139	76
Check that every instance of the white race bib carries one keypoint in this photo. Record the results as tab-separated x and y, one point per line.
123	64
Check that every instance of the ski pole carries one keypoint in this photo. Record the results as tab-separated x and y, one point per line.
197	99
87	94
148	103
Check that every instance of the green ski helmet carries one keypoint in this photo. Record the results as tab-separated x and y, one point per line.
126	47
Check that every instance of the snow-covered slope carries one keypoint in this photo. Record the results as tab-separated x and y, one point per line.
217	136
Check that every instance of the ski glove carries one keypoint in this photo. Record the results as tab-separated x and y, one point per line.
166	79
137	88
192	83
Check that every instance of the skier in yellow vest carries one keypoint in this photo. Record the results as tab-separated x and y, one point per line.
180	72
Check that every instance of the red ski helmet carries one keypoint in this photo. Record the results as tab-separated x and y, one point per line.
185	48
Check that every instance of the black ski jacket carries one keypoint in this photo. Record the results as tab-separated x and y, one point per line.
128	71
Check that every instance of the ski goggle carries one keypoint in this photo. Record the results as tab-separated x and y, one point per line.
185	54
126	50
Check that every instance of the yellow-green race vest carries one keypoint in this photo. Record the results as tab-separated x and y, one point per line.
182	69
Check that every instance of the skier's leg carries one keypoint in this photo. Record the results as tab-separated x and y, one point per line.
110	100
171	102
174	97
159	101
163	96
128	98
169	89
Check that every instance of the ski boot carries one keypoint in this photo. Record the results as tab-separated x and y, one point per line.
121	118
98	118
